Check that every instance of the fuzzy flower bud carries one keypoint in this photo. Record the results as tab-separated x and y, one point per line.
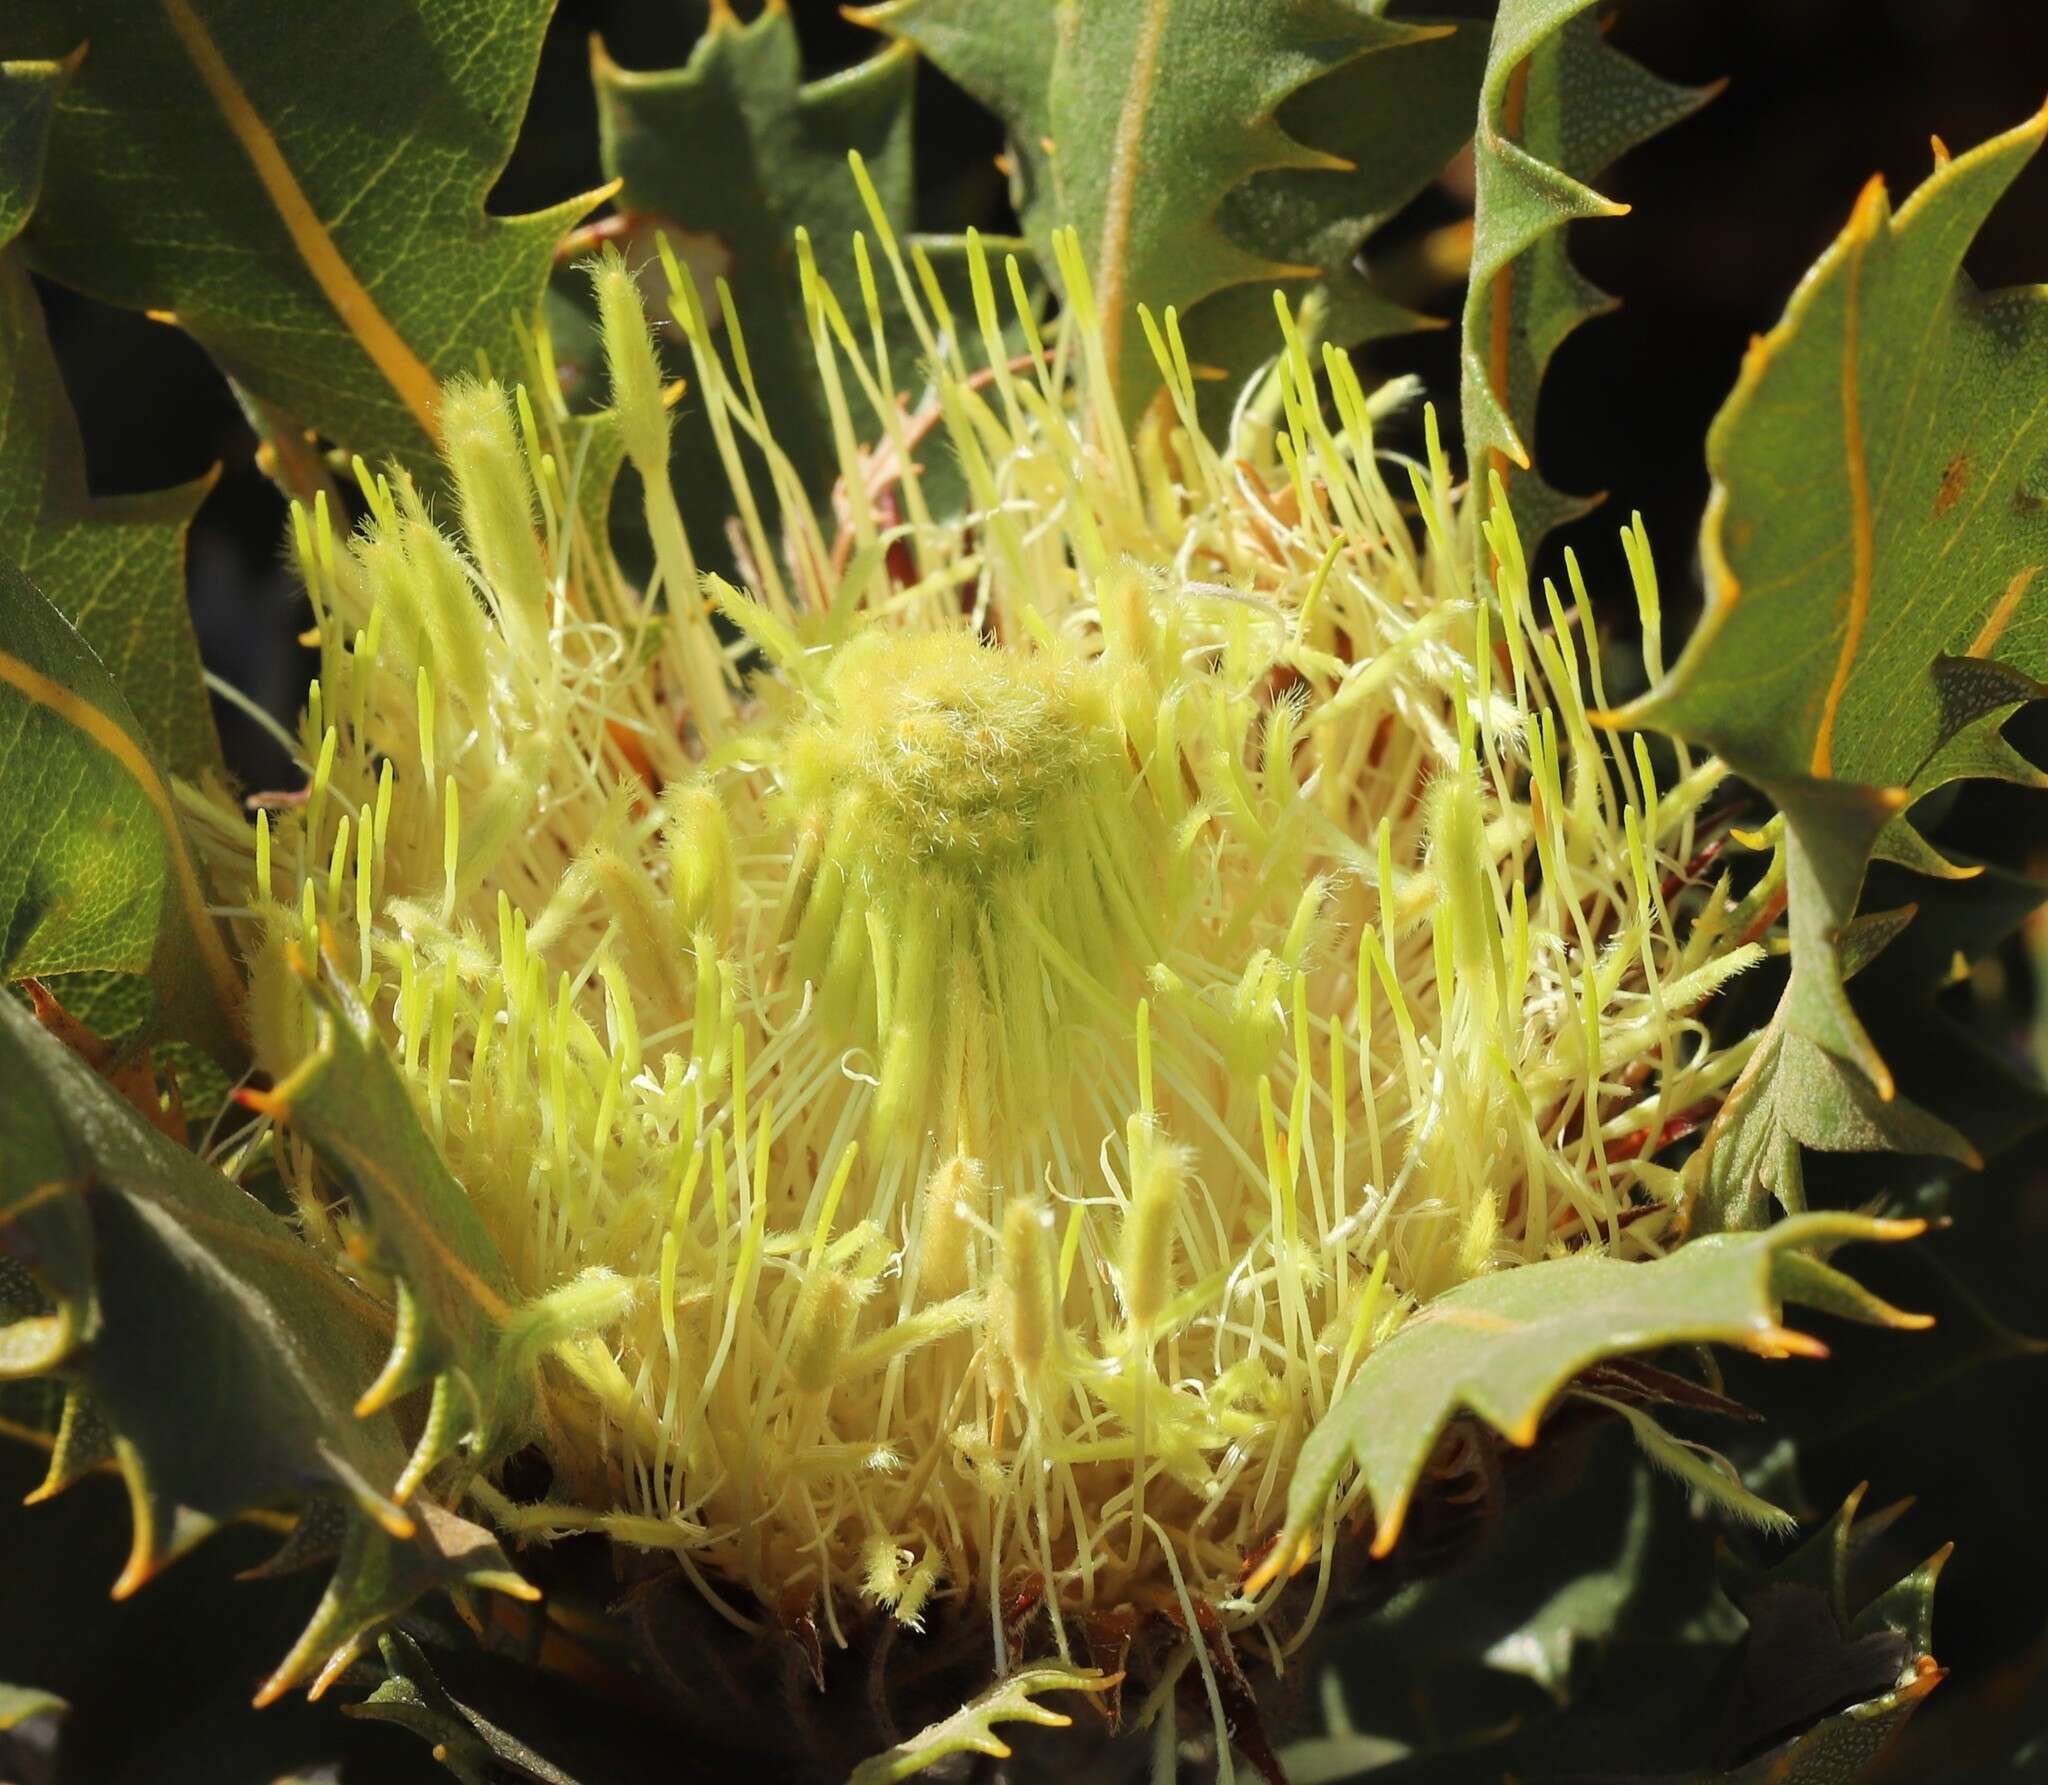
955	1202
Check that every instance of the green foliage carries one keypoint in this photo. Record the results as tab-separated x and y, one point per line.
1859	1673
28	1720
465	1741
218	1353
1504	1346
304	192
28	99
114	567
95	873
1864	644
971	1729
740	103
1207	148
159	1682
1595	1639
1557	107
19	1703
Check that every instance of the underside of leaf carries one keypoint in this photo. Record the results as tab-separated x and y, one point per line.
1503	1347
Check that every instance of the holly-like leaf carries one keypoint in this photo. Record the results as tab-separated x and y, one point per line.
217	1348
1842	1680
1397	119
95	873
1184	143
113	566
1557	108
1878	522
492	1715
1565	1576
460	1325
304	190
1793	1094
971	1729
1504	1346
729	155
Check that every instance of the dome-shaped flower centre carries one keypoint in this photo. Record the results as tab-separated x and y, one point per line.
937	755
971	814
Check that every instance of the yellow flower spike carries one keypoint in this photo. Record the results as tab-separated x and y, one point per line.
495	489
825	1312
1206	945
636	379
1159	1175
955	1206
1026	1311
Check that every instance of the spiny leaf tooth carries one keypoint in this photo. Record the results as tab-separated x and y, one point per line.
1812	1284
410	1364
1902	844
449	1414
84	1442
163	1530
376	1578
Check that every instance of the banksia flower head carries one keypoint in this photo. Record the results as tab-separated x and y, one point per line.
975	1027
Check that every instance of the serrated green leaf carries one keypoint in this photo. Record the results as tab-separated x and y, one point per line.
1877	520
1567	1573
30	1410
1874	533
40	1410
1503	1347
490	1713
1809	1650
95	873
729	155
380	1574
1985	1088
1592	1582
1397	118
114	568
1557	107
1183	142
971	1729
303	191
460	1326
1793	1094
219	1350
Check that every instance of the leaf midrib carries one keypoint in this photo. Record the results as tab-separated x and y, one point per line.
1125	163
357	311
